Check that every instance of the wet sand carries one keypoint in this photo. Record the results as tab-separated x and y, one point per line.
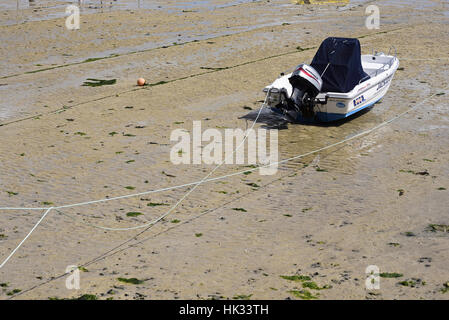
372	201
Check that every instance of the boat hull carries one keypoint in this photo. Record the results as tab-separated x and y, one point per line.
337	108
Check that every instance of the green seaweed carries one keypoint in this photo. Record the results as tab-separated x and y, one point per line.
11	193
168	175
311	285
134	214
130	187
198	235
421	173
303	294
252	184
413	283
445	287
394	244
13	292
155	204
438	227
390	275
441	188
87	297
407	283
98	82
131	280
314	286
92	59
296	278
242	297
240	209
175	221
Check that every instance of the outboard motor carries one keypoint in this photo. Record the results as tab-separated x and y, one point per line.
306	83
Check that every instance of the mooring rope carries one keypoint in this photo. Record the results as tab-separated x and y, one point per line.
24	239
196	184
206	178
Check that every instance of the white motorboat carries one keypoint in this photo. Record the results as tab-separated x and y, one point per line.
338	83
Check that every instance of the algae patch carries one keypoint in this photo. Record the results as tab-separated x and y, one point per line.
242	297
390	275
303	294
134	214
438	227
155	204
131	280
88	297
91	82
297	278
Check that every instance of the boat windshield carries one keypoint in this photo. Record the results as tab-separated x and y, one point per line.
338	61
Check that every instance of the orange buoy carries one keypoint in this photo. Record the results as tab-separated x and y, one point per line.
140	81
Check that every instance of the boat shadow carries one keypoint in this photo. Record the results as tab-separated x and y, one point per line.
271	119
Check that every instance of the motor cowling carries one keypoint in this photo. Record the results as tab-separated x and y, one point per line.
306	83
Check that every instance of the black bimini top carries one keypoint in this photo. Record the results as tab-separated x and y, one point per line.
345	66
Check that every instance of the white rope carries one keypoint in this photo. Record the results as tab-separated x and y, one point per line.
196	184
24	239
205	179
162	216
228	175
